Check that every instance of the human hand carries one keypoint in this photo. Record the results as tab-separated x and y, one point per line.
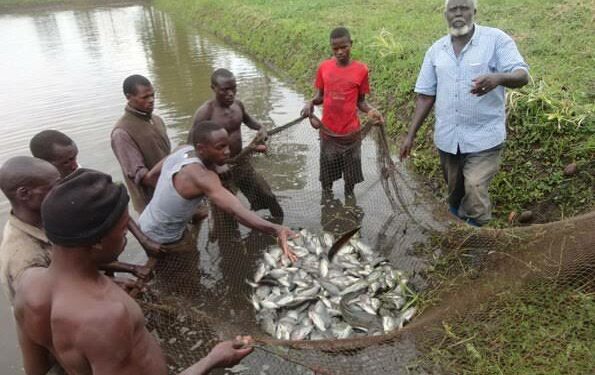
229	353
484	84
261	148
375	117
315	122
308	110
406	147
283	233
142	272
262	133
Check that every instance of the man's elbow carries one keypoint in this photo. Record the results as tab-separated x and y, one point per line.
521	78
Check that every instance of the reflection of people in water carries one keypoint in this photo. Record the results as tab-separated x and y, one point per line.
230	113
337	218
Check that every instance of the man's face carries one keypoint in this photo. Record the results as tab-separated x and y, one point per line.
459	16
143	100
113	243
225	91
38	190
341	49
65	159
217	149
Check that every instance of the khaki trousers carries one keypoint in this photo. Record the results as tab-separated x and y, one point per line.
468	177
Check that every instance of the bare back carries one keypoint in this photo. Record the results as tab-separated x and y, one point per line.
230	118
91	326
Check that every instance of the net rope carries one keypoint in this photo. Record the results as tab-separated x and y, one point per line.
200	296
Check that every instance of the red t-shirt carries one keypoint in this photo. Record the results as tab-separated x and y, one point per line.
342	85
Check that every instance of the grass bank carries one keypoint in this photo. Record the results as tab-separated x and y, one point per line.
551	120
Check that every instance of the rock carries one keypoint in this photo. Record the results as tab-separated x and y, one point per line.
570	170
525	217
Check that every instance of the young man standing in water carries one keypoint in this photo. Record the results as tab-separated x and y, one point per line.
77	315
187	178
226	110
57	148
139	140
341	88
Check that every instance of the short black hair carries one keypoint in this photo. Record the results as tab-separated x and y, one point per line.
42	143
201	131
340	32
21	171
130	83
221	73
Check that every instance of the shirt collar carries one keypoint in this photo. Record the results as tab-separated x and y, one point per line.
144	115
29	229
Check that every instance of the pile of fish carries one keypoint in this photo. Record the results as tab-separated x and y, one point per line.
356	293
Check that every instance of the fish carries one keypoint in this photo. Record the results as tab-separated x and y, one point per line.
353	293
343	239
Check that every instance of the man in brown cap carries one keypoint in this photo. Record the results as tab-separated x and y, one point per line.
77	315
139	140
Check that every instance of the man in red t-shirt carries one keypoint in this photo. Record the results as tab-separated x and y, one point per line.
341	88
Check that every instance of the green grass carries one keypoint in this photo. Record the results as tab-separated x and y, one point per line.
542	330
391	37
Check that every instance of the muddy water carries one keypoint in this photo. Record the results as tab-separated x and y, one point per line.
63	69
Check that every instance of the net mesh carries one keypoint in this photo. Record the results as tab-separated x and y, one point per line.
199	296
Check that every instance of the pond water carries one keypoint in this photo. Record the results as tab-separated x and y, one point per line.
63	69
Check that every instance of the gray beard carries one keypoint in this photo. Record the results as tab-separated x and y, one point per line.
459	31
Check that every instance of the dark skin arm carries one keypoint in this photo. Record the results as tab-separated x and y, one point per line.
423	106
487	82
373	114
196	181
308	109
152	248
253	124
37	360
151	177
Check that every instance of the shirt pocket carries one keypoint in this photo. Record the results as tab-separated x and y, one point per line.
475	69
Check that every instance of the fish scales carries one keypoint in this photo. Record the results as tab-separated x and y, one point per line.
358	293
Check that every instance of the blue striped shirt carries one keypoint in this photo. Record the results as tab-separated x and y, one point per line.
463	120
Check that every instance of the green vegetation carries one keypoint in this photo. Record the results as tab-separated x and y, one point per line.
551	121
542	330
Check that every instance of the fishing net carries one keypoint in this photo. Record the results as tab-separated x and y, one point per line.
199	295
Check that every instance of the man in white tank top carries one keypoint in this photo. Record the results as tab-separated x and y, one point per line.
187	177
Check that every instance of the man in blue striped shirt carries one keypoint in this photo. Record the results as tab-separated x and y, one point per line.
464	74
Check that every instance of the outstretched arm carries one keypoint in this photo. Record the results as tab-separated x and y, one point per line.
208	182
423	105
224	354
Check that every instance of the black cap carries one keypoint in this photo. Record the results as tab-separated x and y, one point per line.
82	208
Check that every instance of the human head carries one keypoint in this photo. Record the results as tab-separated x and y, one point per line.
140	93
87	209
26	181
341	44
223	84
459	16
57	148
211	142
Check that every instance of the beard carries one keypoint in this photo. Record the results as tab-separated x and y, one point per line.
459	31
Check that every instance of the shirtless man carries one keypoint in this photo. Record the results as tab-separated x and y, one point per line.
75	314
187	178
226	110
